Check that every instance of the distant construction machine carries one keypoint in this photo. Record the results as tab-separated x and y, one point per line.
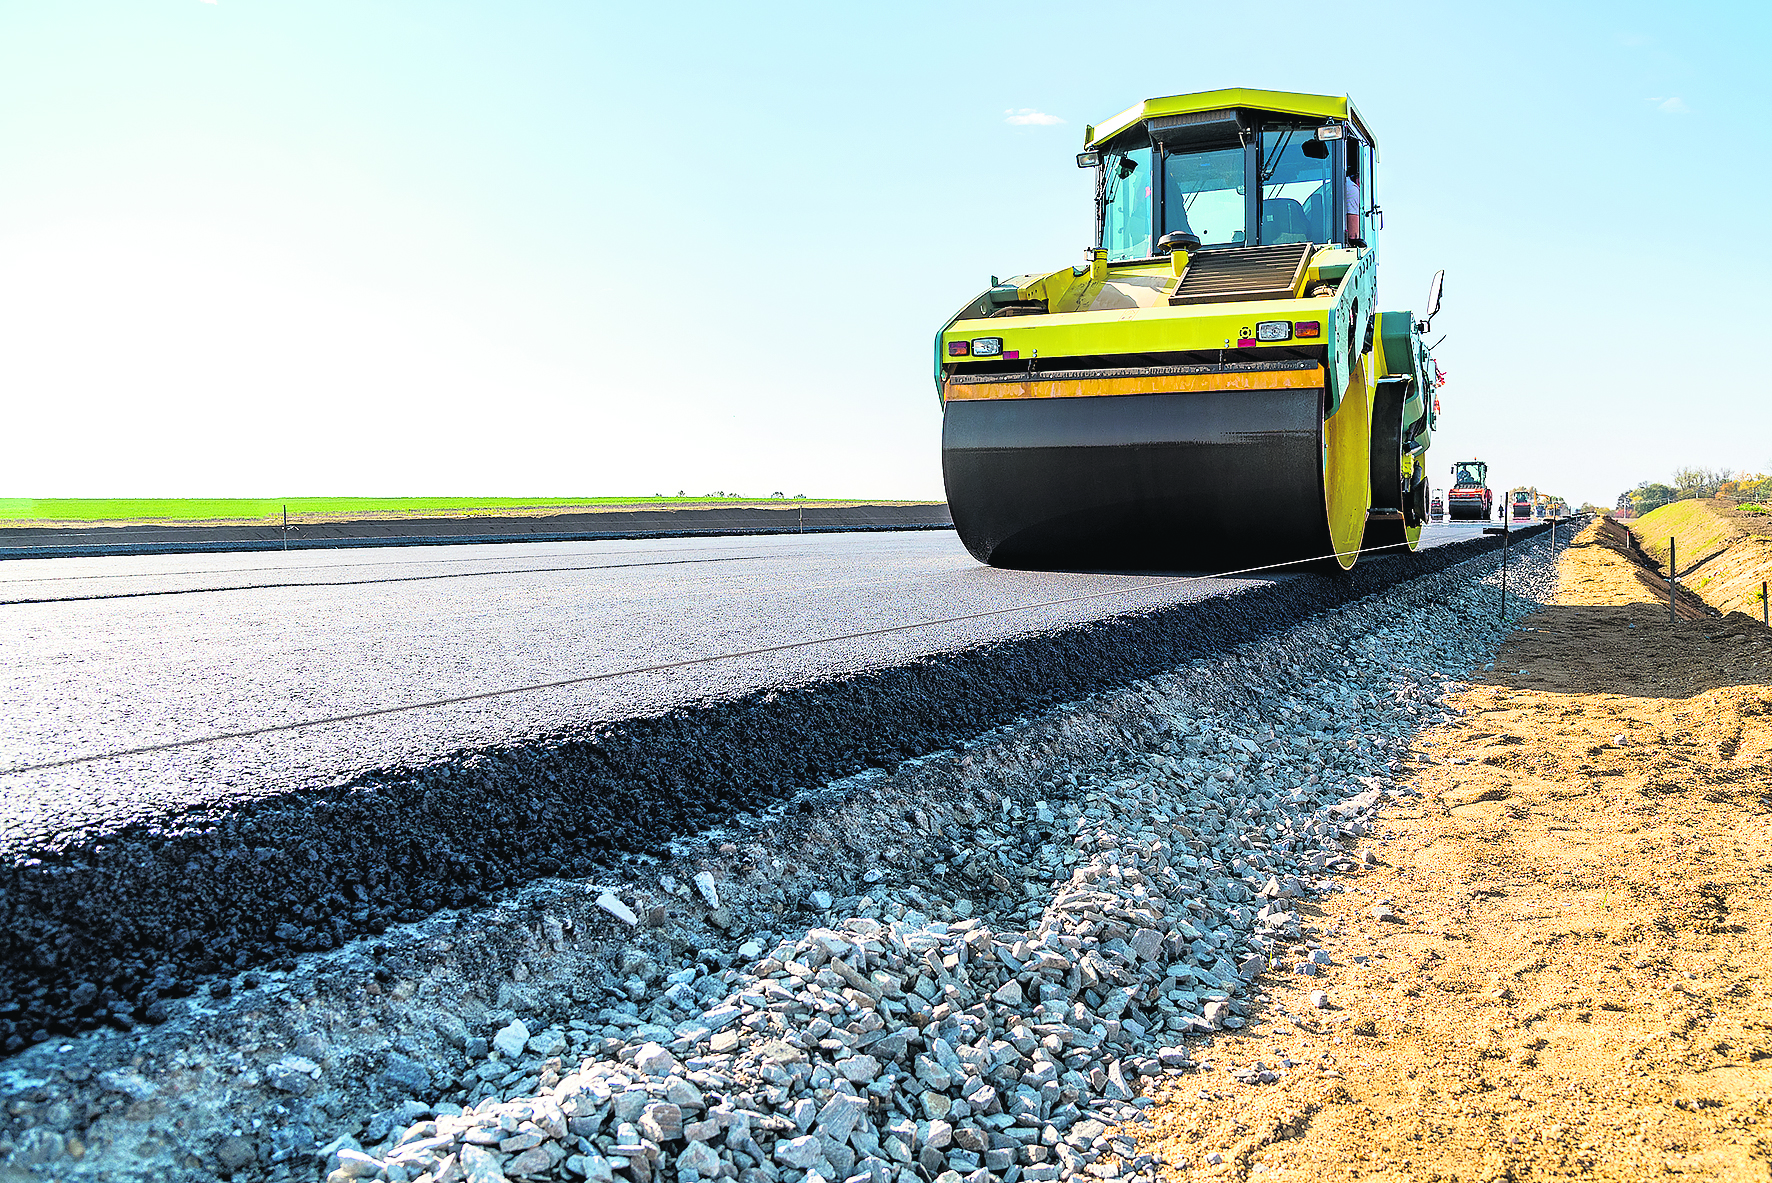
1470	499
1216	385
1522	504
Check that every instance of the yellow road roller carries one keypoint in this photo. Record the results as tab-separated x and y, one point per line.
1215	386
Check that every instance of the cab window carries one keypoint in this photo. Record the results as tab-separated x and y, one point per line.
1203	195
1126	204
1297	187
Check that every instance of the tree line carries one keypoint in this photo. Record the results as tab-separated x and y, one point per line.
1691	483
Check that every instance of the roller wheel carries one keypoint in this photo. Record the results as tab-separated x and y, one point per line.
1397	499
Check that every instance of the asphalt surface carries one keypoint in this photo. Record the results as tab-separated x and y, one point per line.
215	759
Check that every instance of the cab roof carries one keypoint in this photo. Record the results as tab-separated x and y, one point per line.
1274	102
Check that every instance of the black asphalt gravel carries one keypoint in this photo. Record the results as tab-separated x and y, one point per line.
219	761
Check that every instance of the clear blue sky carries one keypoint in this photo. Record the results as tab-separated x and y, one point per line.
262	248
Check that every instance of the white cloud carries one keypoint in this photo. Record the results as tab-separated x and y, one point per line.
1673	106
1028	115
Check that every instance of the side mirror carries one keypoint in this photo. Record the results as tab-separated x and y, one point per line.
1433	300
1315	149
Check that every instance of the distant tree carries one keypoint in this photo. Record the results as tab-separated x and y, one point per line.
1747	486
1648	495
1699	482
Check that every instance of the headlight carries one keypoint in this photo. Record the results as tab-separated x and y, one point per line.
987	346
1273	330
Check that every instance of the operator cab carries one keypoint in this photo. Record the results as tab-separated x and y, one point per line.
1469	472
1232	178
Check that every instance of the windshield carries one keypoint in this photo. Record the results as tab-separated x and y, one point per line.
1203	196
1297	191
1467	475
1126	205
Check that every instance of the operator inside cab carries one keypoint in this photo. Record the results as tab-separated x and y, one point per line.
1353	194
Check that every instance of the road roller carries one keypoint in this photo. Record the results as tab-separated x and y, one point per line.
1471	498
1215	386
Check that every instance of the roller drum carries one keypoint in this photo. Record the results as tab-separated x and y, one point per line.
1196	480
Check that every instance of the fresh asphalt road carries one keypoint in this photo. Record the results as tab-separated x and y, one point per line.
150	688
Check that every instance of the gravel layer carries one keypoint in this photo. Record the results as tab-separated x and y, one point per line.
108	931
965	966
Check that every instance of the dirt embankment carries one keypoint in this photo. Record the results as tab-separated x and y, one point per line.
1725	555
1559	964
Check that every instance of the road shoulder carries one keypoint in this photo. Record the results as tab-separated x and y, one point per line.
1555	964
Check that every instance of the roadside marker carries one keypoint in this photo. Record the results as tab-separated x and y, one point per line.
1673	573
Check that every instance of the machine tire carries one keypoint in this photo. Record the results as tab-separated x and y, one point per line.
1389	493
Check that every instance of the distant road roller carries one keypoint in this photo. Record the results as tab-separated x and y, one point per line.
1471	498
1215	387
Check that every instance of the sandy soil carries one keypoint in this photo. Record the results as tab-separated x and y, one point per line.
1575	983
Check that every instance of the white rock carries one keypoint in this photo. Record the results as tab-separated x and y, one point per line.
512	1039
704	883
354	1164
547	1043
801	1152
821	900
594	1167
700	1158
480	1165
859	1069
840	1115
610	904
654	1060
1320	999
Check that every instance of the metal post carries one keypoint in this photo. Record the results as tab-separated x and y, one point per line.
1765	613
1673	573
285	527
1506	535
802	519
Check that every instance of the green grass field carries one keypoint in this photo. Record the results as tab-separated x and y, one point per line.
26	511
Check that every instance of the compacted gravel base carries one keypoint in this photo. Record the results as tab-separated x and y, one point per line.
1003	940
108	929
